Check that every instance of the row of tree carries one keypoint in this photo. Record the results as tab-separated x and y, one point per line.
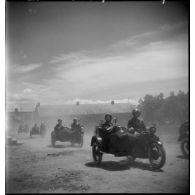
174	108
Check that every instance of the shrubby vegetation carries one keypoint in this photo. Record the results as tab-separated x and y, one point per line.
173	109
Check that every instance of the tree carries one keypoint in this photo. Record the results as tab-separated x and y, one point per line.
174	108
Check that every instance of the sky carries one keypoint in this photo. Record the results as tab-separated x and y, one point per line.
60	52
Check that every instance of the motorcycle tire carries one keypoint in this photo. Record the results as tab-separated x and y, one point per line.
152	158
185	147
97	155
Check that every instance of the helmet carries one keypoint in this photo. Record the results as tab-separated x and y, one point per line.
136	112
108	114
59	120
75	119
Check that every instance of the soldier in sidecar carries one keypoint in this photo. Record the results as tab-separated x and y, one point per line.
66	134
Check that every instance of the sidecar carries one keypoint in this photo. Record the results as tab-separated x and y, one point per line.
67	135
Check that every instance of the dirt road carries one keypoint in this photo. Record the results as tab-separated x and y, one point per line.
37	167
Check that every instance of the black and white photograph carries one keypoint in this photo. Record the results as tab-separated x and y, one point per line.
97	96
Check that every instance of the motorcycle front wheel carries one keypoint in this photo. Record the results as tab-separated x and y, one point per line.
97	155
157	155
185	147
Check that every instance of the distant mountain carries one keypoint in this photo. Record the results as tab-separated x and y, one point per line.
61	110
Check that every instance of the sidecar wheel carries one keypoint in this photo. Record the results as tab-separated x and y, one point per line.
97	155
157	155
185	147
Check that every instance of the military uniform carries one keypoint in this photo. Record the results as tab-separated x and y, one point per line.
57	129
105	135
75	126
137	124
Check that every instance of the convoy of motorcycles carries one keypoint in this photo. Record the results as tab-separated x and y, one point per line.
66	134
147	144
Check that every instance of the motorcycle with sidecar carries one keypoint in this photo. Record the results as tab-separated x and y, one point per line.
68	135
146	146
34	131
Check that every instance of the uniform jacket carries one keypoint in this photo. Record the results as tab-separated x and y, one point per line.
137	124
